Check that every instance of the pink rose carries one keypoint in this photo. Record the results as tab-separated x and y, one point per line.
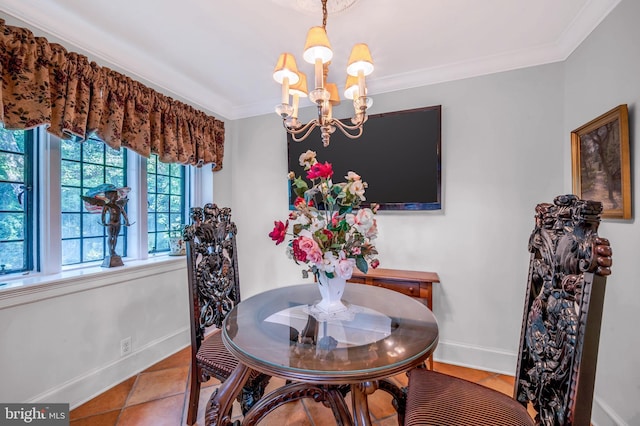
311	248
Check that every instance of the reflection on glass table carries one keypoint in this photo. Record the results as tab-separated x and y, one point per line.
277	332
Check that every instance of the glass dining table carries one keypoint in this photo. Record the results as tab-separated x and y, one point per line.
324	356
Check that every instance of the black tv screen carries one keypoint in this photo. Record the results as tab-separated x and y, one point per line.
398	155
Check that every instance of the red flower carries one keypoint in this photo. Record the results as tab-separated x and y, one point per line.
320	170
279	231
299	201
299	254
375	263
328	233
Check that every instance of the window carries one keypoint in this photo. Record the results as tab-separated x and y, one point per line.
165	202
85	166
16	201
45	225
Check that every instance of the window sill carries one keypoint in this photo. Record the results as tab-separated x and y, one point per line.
33	288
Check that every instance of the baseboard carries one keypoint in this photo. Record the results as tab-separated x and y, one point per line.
94	382
478	357
603	415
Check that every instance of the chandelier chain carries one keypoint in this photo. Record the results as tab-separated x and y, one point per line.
324	14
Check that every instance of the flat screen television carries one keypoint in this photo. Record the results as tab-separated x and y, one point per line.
398	155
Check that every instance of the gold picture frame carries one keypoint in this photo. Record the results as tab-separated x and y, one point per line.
601	168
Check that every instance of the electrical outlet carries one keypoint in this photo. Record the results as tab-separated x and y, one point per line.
125	346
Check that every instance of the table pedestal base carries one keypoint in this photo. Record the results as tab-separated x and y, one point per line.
218	411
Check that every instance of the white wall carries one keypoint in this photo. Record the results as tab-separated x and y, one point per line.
61	343
602	73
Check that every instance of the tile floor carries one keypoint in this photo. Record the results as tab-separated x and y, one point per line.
156	397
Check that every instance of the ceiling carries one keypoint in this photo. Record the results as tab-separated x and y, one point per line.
218	55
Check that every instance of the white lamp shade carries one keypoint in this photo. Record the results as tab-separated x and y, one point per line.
286	67
300	88
317	46
351	87
360	60
334	97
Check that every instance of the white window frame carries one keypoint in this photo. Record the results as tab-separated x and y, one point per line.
198	181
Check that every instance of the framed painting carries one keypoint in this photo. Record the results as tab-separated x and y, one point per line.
601	168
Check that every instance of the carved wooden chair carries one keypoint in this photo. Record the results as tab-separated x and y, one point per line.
214	289
560	333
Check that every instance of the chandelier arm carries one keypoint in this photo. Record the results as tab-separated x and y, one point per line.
308	127
347	126
345	129
296	131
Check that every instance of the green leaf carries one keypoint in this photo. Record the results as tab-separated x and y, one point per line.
345	209
361	264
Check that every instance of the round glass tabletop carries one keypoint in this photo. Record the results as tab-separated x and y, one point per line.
279	333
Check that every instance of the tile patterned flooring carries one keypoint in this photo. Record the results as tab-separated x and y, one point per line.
156	396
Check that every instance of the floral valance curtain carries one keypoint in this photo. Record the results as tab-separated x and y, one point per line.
42	83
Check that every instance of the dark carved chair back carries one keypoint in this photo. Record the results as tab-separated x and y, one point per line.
560	333
563	311
212	266
214	289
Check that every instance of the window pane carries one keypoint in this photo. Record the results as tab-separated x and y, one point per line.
152	162
163	242
12	256
70	173
92	175
11	194
176	170
71	225
11	226
114	158
176	222
92	226
175	204
13	167
151	202
151	222
162	203
165	196
83	230
176	186
92	249
162	222
114	177
163	184
70	251
70	200
93	152
163	168
16	205
70	150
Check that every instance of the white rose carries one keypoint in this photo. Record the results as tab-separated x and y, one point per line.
307	159
344	268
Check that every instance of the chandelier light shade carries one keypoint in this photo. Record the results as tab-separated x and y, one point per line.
317	51
297	91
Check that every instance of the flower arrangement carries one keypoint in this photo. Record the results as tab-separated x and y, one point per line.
327	233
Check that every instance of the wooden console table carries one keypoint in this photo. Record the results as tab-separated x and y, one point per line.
412	283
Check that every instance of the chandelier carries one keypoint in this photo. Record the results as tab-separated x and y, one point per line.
317	51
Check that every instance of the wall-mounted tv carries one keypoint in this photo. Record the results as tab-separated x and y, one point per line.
398	155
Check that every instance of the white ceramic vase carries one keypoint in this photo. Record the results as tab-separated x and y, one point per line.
331	290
